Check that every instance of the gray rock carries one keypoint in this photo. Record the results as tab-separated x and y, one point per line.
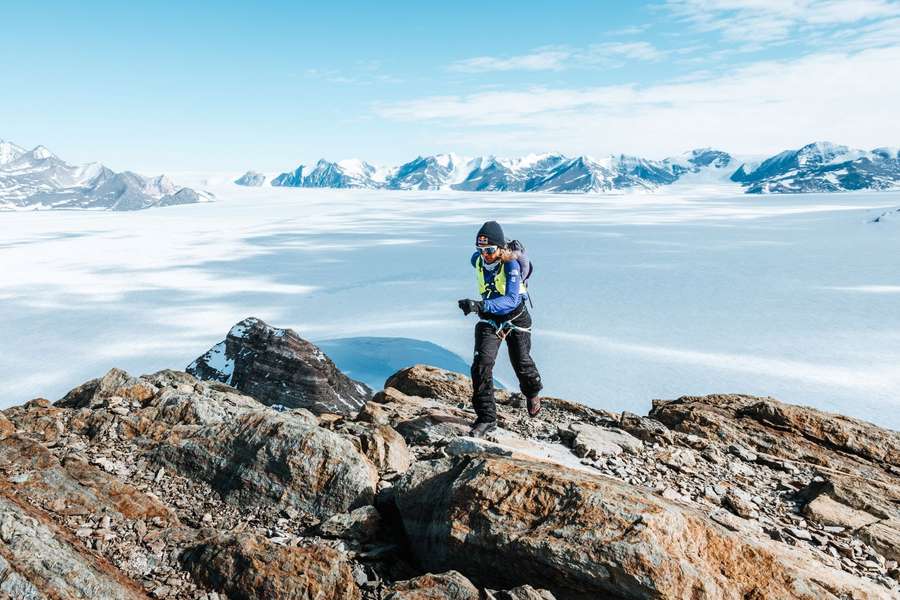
451	585
645	429
741	504
361	524
591	441
274	459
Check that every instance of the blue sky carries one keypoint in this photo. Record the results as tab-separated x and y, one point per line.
266	85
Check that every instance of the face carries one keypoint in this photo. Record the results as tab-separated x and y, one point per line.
489	253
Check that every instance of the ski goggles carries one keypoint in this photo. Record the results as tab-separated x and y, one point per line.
487	249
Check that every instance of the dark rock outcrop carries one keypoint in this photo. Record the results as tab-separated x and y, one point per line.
276	366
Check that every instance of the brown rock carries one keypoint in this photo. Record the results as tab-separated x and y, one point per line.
6	426
98	392
74	487
454	389
505	522
827	511
250	567
431	382
796	433
382	445
38	560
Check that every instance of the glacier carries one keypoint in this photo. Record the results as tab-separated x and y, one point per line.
689	290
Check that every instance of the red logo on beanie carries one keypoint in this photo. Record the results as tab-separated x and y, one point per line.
482	240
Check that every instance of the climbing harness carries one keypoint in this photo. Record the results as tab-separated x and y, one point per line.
503	329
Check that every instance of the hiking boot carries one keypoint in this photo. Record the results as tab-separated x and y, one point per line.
534	405
482	428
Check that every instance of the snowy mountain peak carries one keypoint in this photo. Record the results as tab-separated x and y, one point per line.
827	166
251	179
38	179
9	152
822	167
41	153
819	153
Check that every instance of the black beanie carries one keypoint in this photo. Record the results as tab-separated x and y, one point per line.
493	232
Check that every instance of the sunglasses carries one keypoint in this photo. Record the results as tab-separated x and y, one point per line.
487	249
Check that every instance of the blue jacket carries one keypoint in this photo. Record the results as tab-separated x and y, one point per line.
496	304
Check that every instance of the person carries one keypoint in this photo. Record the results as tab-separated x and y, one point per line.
503	316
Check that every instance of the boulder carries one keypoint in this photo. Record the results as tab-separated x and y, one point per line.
250	567
381	444
524	592
97	392
432	382
361	524
277	366
505	522
591	441
274	459
456	389
7	427
870	507
645	429
451	585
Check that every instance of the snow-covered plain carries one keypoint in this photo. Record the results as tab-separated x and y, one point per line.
695	289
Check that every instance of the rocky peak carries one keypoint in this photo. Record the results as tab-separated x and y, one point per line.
277	366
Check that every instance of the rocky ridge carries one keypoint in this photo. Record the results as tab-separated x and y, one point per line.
167	486
278	367
37	179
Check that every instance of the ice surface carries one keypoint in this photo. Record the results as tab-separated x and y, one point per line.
691	290
373	359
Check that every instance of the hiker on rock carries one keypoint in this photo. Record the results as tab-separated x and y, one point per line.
500	270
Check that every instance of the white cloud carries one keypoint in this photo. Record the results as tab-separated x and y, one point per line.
546	59
765	21
848	97
629	50
557	58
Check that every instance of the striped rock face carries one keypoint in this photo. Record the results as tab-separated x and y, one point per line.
277	366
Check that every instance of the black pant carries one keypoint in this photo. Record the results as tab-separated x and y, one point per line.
518	344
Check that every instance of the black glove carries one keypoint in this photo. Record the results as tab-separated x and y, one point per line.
468	306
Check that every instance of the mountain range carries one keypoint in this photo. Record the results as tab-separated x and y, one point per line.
38	179
816	167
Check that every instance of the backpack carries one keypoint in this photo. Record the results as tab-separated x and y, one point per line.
525	265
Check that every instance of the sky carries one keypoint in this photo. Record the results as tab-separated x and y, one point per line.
227	86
